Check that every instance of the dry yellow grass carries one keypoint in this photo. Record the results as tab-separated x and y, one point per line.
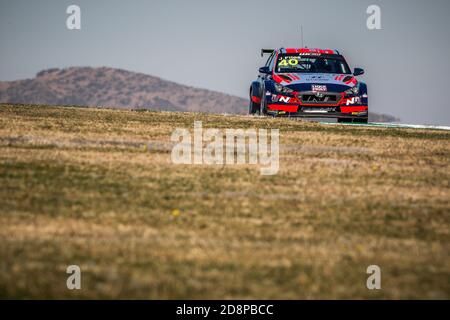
97	188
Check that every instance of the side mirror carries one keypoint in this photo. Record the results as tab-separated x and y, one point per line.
358	72
264	70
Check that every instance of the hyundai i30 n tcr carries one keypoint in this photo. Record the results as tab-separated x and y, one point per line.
303	82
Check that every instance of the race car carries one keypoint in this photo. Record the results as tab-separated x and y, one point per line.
304	82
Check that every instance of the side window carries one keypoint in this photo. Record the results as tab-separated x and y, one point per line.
269	61
272	61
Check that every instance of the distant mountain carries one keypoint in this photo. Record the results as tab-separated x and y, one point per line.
109	87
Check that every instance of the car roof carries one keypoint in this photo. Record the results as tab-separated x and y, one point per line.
308	51
305	51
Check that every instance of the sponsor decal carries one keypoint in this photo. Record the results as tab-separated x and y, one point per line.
319	95
280	98
285	99
310	54
352	101
319	88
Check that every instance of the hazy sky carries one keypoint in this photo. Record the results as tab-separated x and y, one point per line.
215	44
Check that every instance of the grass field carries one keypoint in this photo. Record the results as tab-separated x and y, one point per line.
97	188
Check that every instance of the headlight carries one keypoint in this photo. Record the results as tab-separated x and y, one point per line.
353	91
282	89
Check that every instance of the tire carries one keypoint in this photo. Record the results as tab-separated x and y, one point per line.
253	108
360	120
350	120
263	105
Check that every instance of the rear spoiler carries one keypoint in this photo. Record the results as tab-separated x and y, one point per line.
264	51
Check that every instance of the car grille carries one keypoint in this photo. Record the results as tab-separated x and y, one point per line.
319	98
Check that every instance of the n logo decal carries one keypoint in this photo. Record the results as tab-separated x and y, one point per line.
351	101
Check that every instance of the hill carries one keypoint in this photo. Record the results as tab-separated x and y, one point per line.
109	87
97	188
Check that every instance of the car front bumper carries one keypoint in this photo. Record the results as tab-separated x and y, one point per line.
318	111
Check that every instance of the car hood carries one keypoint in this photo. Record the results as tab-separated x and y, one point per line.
303	82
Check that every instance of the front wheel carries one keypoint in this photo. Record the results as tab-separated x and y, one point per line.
253	107
352	120
263	106
360	120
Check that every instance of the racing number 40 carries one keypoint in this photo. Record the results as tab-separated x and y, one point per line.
286	62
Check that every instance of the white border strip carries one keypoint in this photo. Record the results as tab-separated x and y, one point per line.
394	125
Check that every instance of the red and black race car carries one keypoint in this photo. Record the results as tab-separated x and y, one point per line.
303	82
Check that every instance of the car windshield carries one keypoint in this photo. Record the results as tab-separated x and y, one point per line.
287	63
